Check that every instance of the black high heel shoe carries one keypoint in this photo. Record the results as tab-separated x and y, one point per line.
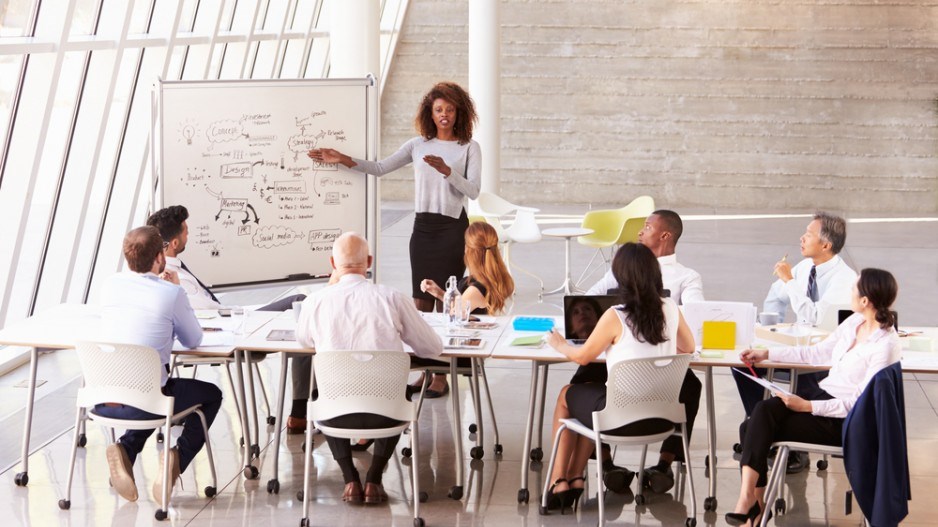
572	496
555	500
738	518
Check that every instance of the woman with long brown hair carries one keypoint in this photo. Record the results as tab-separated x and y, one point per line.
486	288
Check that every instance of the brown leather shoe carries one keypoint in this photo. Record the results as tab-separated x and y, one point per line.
374	493
353	492
296	425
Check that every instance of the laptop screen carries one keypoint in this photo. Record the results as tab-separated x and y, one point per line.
844	314
581	313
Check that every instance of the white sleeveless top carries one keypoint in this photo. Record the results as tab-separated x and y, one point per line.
629	347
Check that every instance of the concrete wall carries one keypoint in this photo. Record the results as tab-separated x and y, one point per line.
744	104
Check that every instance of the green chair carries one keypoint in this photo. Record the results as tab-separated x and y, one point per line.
613	227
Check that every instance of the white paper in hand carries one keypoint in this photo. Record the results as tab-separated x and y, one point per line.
772	387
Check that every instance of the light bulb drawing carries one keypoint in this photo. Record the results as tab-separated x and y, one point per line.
188	132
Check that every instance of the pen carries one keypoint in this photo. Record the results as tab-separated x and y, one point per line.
752	370
784	258
211	329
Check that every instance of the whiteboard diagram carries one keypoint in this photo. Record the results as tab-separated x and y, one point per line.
234	154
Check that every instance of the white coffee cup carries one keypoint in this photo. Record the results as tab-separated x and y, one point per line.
769	318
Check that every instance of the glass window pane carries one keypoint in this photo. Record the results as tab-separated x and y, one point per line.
84	16
14	17
9	78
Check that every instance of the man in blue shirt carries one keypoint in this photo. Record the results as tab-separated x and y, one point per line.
146	306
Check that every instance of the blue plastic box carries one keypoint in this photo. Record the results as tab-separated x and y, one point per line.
533	324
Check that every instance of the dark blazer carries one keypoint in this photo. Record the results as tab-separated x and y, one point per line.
875	455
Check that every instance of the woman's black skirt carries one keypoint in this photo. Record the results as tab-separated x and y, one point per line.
437	246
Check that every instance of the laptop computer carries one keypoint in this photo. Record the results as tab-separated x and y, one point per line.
581	313
844	314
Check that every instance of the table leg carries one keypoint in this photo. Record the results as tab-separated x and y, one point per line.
455	491
22	478
540	415
710	503
567	287
478	450
251	405
250	471
523	493
273	485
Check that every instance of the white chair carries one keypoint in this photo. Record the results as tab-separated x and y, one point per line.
777	475
638	389
523	228
351	382
129	374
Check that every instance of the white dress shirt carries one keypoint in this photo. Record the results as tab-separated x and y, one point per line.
685	284
199	297
358	315
835	281
851	369
140	308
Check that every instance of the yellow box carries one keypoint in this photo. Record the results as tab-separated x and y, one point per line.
719	335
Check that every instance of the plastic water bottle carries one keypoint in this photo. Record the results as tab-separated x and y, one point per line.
451	302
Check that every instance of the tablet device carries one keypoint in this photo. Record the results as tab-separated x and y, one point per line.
463	343
282	335
480	325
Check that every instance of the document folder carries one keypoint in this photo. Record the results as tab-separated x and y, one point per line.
719	335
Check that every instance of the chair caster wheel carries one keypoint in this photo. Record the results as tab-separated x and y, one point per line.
640	499
65	504
21	479
273	487
476	452
822	464
406	452
423	497
82	441
299	495
241	442
537	454
691	522
780	506
473	428
160	515
159	437
256	450
542	510
498	449
271	420
737	448
250	472
304	522
455	492
210	491
418	522
523	495
710	504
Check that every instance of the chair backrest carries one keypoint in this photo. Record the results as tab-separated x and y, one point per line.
352	382
644	388
524	228
493	205
606	224
122	373
635	214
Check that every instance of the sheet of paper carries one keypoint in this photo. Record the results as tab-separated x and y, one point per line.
772	387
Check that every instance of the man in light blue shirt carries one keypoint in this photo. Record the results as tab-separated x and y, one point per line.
146	306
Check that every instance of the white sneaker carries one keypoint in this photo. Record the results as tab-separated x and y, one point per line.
173	469
122	472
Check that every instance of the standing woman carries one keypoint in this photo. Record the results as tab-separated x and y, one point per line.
447	170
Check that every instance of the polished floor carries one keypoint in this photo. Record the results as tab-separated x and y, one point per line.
734	253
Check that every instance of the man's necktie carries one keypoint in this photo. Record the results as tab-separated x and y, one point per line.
214	298
812	284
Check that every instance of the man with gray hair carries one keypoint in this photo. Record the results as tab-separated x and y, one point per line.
354	314
821	280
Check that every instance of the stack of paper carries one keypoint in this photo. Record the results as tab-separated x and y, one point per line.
742	313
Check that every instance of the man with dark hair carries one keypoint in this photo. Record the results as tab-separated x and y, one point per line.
662	230
821	281
146	306
171	222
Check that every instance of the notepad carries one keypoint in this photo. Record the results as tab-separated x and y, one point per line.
532	341
284	335
719	335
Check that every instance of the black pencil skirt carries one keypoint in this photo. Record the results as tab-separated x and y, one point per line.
437	246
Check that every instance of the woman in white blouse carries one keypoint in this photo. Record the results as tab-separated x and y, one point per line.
859	348
646	324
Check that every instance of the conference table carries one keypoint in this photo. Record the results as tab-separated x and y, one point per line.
541	357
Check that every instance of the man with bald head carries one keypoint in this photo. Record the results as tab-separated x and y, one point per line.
355	314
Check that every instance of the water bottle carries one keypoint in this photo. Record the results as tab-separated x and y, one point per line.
451	302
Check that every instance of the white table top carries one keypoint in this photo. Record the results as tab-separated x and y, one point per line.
567	232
